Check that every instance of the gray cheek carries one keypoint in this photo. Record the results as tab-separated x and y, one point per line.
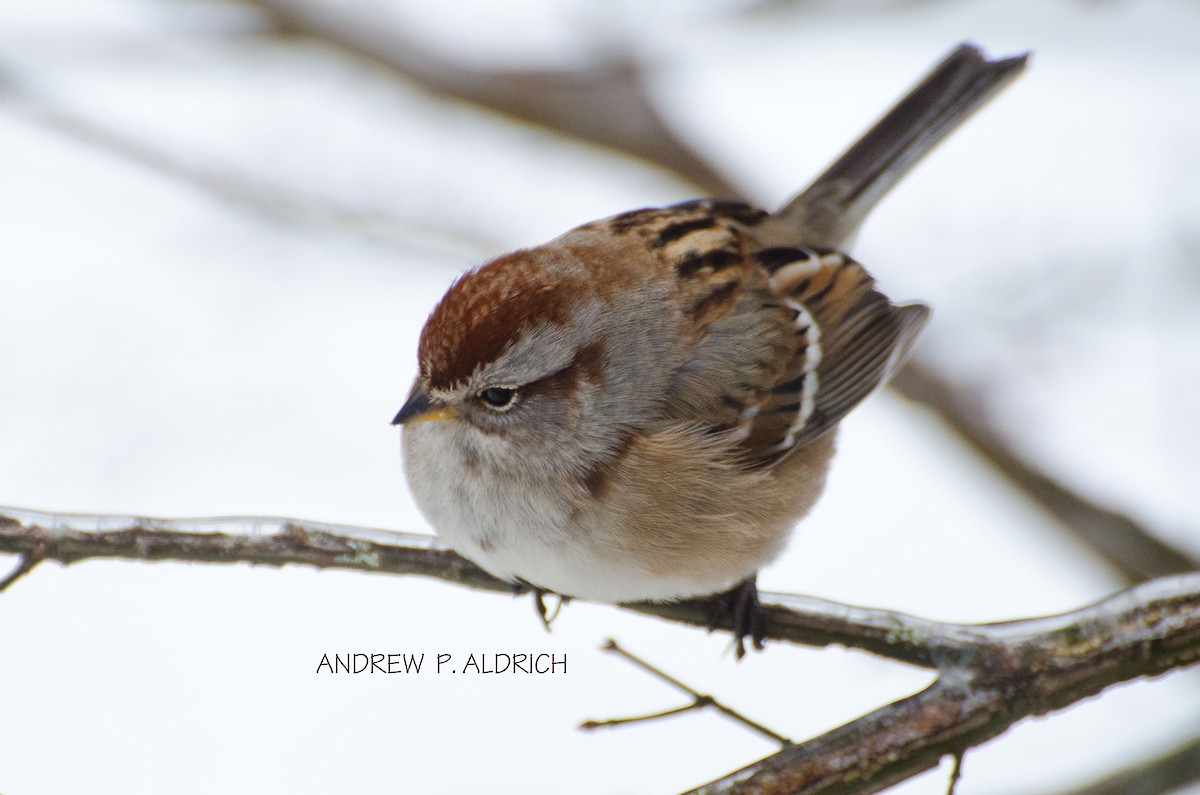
559	435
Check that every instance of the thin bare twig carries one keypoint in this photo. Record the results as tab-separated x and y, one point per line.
955	773
26	564
699	701
608	723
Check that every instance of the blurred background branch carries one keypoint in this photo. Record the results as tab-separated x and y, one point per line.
274	202
1162	774
604	103
1135	553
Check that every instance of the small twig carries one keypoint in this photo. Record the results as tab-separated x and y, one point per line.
26	564
539	605
699	700
589	725
562	600
955	773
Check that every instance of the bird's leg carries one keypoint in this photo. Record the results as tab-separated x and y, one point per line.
741	606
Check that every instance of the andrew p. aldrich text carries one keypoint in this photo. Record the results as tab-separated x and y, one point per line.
443	663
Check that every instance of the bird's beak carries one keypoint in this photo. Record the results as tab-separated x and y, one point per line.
421	407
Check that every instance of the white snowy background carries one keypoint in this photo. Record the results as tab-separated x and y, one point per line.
218	246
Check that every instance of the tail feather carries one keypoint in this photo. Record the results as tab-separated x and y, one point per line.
830	210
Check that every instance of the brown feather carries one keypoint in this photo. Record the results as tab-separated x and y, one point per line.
859	338
485	311
821	337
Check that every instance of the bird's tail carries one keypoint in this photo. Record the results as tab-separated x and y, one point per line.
830	210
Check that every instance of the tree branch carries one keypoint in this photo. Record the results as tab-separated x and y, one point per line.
263	541
1023	668
273	541
990	675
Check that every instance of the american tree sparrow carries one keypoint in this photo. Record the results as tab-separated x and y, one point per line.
642	408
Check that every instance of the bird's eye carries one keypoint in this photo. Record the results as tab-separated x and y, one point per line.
497	396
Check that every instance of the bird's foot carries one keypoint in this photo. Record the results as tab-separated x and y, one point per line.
740	606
